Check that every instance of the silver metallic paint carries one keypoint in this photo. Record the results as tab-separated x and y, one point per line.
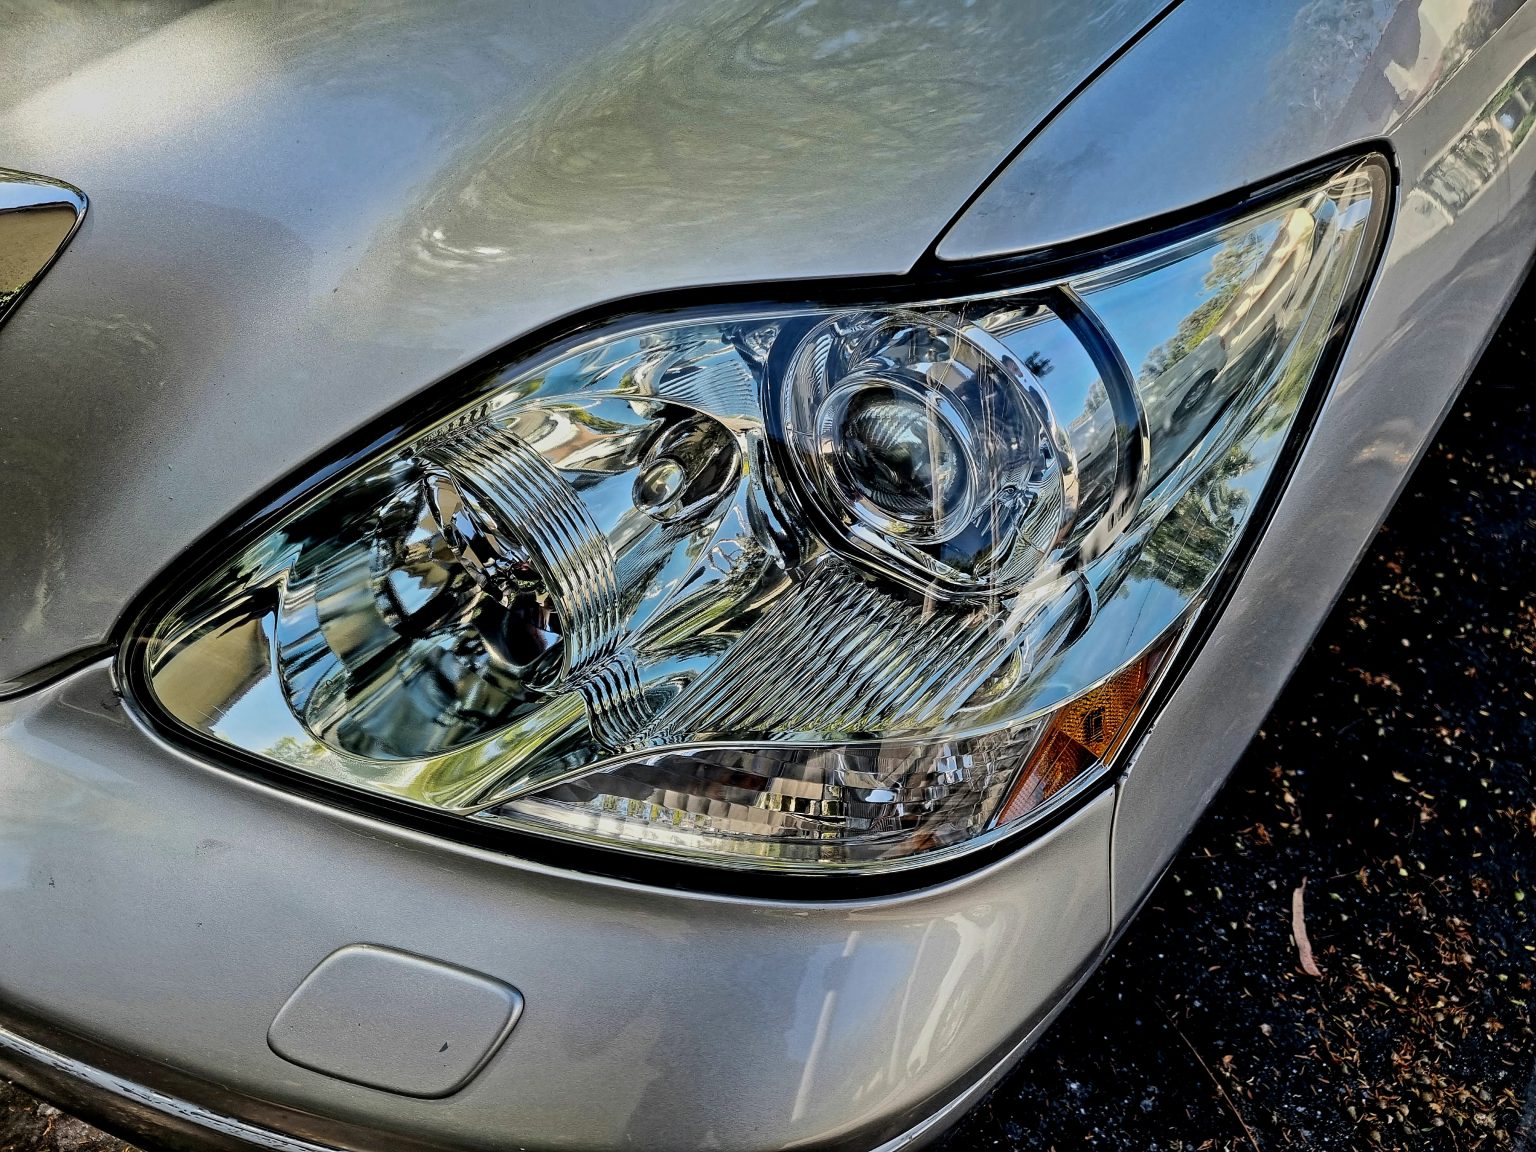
1221	96
648	1012
395	1021
128	1105
338	204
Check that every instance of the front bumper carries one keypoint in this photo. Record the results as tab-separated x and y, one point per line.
158	1119
167	910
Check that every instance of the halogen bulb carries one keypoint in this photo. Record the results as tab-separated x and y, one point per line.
691	465
659	484
519	622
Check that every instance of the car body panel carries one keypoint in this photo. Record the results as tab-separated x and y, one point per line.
1259	88
303	215
653	1009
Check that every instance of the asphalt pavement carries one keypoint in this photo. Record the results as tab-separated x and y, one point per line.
1395	777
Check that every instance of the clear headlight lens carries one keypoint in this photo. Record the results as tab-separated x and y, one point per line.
792	587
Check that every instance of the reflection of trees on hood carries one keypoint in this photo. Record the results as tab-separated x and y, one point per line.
1484	18
1342	52
657	131
1233	264
1330	45
1186	547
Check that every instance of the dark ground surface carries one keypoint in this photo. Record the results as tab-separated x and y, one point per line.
1395	775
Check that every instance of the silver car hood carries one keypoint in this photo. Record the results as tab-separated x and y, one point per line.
303	214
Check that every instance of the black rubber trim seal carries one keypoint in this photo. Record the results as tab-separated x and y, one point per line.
929	279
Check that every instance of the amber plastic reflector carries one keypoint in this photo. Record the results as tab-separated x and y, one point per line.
1085	732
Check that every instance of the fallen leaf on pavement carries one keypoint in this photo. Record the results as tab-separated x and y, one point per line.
1299	930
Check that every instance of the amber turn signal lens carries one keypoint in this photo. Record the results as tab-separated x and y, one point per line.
1085	732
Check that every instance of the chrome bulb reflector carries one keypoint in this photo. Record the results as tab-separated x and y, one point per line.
788	587
449	620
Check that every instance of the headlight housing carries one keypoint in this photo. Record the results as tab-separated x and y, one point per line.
787	587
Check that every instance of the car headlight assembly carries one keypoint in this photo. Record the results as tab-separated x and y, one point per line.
800	588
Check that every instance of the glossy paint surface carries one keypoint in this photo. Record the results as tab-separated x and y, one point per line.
302	216
647	1012
1149	137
